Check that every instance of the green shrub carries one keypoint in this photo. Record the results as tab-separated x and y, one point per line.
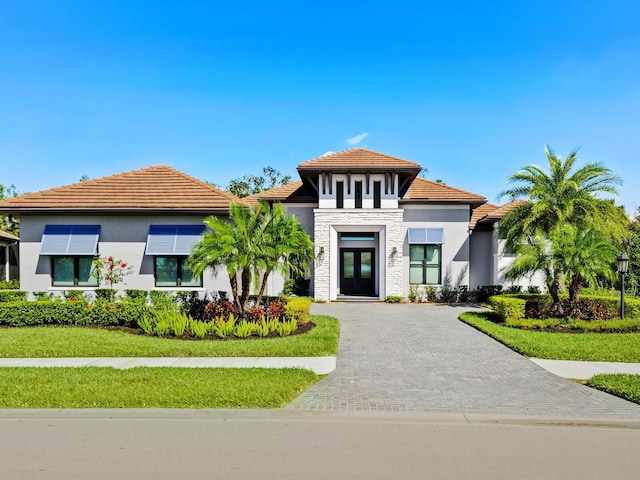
12	295
394	299
448	294
414	294
161	299
286	328
508	308
298	309
10	285
125	314
24	313
43	295
483	293
430	293
136	295
105	294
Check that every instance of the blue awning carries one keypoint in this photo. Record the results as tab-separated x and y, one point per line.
172	239
426	236
70	240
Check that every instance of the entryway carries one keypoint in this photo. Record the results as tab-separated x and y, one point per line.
357	271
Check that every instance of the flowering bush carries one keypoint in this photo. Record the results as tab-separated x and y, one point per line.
110	271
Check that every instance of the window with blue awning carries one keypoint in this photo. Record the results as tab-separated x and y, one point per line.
172	239
70	240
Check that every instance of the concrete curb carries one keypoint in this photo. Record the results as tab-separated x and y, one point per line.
318	365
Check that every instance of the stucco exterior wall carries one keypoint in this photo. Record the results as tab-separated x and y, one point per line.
123	237
454	219
481	259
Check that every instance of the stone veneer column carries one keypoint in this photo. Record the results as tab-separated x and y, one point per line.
388	222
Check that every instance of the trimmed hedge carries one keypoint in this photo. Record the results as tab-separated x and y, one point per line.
512	307
299	309
508	307
23	313
12	295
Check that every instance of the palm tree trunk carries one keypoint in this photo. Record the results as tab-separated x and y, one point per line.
245	278
233	280
263	286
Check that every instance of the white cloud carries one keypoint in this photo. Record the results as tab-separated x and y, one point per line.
330	152
357	139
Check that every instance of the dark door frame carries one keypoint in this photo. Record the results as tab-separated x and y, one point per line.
357	285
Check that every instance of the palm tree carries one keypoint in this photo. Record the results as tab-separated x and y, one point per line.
235	245
251	242
563	194
585	256
534	255
288	248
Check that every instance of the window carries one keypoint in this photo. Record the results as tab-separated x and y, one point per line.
339	194
358	193
425	264
73	272
377	195
173	272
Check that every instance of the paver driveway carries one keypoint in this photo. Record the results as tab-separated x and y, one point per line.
421	358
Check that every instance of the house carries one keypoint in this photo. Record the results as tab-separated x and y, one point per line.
8	257
149	218
377	227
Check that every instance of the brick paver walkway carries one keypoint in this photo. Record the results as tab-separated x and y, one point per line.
421	358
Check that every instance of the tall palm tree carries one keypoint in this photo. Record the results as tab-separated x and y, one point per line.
250	243
560	195
235	244
288	248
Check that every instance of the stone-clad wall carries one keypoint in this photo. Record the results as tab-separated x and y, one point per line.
388	224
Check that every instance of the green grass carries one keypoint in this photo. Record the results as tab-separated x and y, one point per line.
50	341
603	347
151	387
621	385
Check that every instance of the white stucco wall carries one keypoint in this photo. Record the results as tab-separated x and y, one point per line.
454	219
123	237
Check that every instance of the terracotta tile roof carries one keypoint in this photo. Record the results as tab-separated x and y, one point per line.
489	213
502	210
480	212
422	189
274	194
7	236
158	187
359	158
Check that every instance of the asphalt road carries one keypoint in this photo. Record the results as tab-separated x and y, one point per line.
278	444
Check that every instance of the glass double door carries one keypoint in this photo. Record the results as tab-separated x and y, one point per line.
357	271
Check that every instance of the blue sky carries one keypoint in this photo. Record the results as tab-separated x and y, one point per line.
471	90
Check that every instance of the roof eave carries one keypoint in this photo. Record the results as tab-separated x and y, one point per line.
87	210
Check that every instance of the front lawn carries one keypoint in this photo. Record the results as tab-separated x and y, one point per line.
621	385
63	341
143	387
603	347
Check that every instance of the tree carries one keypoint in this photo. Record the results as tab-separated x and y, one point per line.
565	195
585	256
252	184
632	248
9	223
248	243
288	248
562	195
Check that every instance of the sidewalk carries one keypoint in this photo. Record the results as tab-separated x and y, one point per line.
585	370
319	365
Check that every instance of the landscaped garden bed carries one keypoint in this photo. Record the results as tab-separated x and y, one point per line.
181	325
